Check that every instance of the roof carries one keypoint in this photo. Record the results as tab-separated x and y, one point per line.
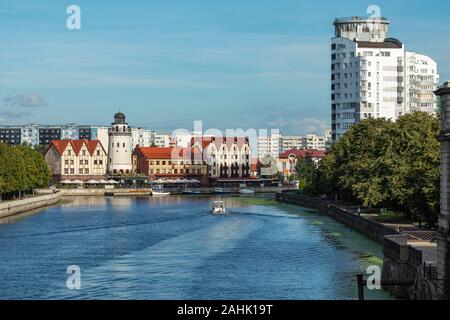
307	153
169	153
77	145
389	43
204	142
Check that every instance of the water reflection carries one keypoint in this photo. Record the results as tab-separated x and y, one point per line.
172	248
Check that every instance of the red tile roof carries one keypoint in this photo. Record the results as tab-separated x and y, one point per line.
303	153
169	153
61	145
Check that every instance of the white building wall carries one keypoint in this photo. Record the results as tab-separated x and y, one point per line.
270	145
376	78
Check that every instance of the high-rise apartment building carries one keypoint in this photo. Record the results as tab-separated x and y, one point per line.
314	142
270	145
372	76
291	142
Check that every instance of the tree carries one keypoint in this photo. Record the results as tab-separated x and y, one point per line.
306	173
22	170
382	163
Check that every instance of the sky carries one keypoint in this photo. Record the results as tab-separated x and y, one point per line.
165	63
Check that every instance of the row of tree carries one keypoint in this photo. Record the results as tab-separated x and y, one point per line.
22	169
383	164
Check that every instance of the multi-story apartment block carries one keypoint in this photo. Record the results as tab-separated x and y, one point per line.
372	76
49	133
30	134
291	142
227	157
99	133
175	163
10	135
314	142
270	145
76	160
421	80
141	137
161	140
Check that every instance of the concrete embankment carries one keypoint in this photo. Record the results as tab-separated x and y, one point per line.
147	192
373	230
9	208
402	262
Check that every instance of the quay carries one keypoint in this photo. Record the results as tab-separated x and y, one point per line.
13	207
410	255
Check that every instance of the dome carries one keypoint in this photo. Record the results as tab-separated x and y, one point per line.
119	117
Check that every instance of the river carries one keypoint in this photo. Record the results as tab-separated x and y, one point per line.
173	248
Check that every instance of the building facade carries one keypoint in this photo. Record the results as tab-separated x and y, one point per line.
288	160
270	145
291	142
171	163
226	157
443	233
76	160
314	142
11	135
161	140
120	146
372	76
141	137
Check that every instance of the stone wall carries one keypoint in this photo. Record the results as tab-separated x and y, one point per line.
371	229
9	208
404	263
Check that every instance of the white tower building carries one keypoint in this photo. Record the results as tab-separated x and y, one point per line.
120	146
373	76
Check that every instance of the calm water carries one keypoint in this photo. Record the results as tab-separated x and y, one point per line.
172	248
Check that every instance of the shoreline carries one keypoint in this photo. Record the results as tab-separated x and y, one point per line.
14	207
146	192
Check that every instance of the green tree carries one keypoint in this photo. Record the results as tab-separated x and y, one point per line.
306	174
382	163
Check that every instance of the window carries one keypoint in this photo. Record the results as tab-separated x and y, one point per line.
86	161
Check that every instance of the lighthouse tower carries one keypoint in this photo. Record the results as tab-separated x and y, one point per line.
119	148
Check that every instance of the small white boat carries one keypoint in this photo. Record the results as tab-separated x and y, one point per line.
158	191
218	207
246	191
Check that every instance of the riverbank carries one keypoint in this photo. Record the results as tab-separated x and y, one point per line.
373	230
13	207
147	191
409	254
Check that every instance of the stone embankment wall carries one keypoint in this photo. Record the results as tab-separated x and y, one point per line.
9	208
371	229
404	263
401	261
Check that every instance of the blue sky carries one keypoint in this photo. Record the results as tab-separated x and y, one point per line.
246	64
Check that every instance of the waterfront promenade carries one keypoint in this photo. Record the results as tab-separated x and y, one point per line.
9	208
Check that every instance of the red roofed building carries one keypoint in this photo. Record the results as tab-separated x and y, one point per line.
76	160
171	163
288	160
